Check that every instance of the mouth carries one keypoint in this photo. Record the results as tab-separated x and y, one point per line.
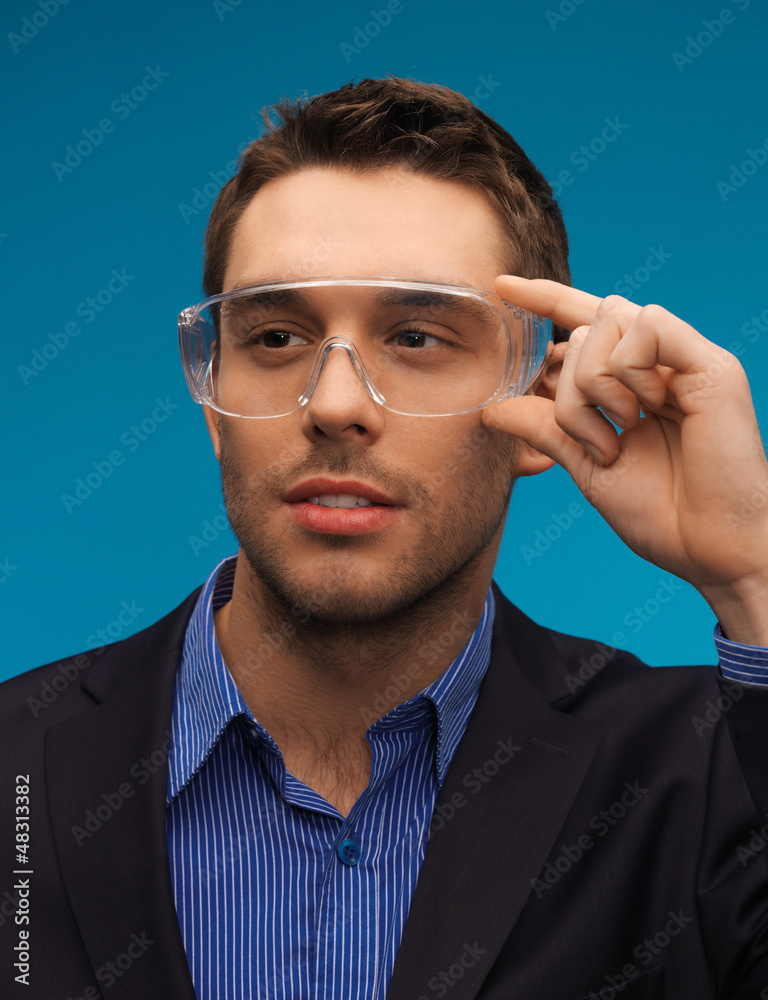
347	494
345	500
341	507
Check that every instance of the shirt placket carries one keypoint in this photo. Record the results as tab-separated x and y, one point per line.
351	942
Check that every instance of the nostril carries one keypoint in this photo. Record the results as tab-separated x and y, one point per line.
360	428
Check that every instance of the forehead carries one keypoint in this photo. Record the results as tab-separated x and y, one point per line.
384	223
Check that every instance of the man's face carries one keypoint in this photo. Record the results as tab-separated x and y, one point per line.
446	480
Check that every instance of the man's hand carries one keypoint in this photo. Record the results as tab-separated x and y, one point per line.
685	484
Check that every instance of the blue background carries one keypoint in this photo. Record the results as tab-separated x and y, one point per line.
550	80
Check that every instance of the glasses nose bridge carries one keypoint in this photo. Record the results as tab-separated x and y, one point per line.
353	354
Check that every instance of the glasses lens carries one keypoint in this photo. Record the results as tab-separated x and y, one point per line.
425	349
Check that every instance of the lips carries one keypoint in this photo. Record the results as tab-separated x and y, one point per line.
341	507
347	493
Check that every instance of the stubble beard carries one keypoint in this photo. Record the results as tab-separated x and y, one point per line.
434	572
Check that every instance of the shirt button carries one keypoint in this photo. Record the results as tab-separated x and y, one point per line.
349	851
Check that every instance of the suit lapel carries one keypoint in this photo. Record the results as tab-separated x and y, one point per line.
106	774
505	798
497	817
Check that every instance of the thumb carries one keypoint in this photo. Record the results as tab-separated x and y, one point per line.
532	419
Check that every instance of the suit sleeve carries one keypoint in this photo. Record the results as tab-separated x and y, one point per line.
733	866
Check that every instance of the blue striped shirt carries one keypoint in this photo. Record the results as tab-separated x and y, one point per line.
741	663
277	894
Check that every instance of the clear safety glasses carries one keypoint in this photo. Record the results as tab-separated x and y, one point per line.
419	348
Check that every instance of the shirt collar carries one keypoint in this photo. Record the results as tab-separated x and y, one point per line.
207	698
450	698
455	691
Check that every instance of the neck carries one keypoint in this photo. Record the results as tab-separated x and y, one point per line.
305	678
316	686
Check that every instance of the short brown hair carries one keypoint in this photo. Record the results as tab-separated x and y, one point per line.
397	122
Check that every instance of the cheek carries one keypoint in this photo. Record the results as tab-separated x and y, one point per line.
254	446
477	457
242	460
488	461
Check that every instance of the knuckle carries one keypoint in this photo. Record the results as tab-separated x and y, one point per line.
724	361
652	314
612	304
574	344
734	369
589	381
618	362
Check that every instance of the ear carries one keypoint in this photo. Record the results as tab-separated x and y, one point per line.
531	462
546	384
212	421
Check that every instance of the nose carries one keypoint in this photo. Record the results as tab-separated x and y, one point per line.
341	402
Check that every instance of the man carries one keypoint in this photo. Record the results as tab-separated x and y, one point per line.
347	767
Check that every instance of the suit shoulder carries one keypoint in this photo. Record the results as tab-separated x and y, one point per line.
569	668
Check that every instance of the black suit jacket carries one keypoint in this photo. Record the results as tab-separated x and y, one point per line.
599	833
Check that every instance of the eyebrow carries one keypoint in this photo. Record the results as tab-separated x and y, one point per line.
276	296
384	297
457	304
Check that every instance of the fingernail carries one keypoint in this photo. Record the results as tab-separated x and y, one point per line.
619	421
593	452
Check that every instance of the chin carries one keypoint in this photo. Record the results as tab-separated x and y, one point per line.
339	591
340	596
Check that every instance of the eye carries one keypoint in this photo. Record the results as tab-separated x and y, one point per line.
275	339
414	338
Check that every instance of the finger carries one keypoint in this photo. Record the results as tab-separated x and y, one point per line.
568	307
532	418
593	374
576	413
660	353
